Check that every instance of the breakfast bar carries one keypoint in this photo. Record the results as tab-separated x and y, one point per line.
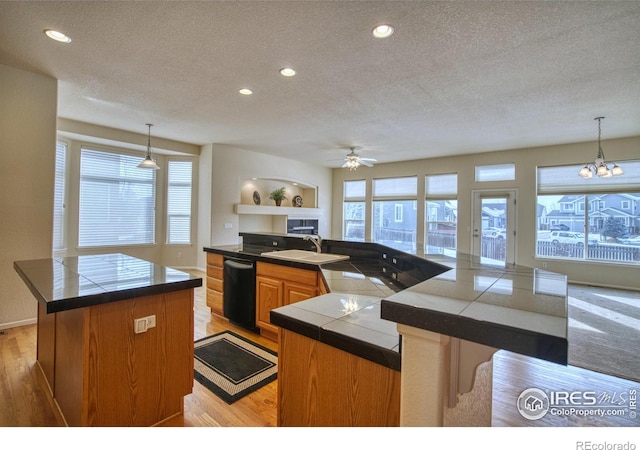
420	329
115	337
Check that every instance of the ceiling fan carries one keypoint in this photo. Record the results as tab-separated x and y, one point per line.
353	161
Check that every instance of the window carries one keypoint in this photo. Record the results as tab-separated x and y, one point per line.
398	212
179	202
59	197
498	172
353	210
602	231
441	213
395	198
117	200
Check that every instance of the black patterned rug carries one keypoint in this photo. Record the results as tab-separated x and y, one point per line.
232	366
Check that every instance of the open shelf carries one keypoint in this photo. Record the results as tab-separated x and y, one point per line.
277	210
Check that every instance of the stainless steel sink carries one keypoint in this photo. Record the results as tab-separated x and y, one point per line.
306	256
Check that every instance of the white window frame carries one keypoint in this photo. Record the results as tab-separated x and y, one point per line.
169	240
360	198
564	180
93	232
60	197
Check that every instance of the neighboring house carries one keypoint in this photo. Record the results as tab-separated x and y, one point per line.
439	213
493	215
541	217
571	212
395	221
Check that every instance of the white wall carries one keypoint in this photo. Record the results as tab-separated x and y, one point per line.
526	161
27	162
231	166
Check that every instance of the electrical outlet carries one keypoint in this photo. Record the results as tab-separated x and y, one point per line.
142	324
228	225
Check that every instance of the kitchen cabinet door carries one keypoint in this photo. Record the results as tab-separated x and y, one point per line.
296	293
269	295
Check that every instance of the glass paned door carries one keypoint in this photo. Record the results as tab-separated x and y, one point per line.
494	226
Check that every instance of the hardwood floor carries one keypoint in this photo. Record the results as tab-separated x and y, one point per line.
24	403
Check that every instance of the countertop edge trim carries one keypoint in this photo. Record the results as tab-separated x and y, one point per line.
529	343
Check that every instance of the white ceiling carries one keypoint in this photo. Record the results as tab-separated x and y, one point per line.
455	77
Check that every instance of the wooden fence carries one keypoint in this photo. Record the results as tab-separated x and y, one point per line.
617	253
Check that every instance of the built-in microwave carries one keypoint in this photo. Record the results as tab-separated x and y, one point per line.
302	226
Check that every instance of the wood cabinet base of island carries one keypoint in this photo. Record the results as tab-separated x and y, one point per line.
99	372
322	386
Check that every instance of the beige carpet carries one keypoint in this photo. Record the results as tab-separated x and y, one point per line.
604	330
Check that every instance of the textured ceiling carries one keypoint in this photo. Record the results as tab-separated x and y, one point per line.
455	77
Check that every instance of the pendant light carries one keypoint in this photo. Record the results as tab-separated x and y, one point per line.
149	163
600	166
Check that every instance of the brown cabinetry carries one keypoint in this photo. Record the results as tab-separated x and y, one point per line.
215	287
278	285
322	386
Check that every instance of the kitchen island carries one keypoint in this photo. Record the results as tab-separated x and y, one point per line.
427	317
115	338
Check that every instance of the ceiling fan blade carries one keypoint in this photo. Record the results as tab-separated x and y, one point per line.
368	159
345	164
366	163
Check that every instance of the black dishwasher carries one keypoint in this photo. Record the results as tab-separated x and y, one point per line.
240	292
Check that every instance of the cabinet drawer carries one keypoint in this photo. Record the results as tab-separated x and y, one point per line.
214	284
286	273
215	272
215	259
215	302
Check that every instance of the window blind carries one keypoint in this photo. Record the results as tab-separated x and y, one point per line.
395	188
565	180
179	202
442	186
59	197
497	172
355	190
117	200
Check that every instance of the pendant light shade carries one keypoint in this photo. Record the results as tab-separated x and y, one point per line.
149	162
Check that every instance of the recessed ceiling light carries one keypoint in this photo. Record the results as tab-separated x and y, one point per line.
245	91
382	31
58	36
287	72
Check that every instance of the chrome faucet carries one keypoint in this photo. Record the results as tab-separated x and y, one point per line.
317	241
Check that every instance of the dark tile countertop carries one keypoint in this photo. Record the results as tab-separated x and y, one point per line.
516	308
77	282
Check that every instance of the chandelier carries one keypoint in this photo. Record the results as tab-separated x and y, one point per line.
600	167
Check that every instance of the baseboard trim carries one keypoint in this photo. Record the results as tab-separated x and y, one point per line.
19	323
